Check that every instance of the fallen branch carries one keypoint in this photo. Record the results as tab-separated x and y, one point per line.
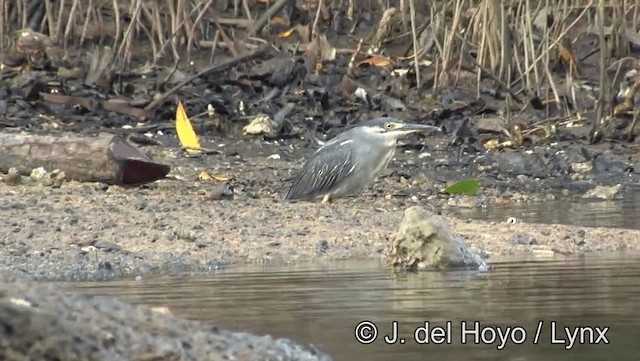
108	159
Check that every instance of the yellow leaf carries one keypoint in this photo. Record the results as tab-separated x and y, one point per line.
286	33
208	176
375	61
186	134
204	176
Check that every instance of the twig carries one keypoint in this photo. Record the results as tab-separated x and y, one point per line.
214	46
353	57
315	21
264	19
210	70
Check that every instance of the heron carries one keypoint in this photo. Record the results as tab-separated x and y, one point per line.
346	164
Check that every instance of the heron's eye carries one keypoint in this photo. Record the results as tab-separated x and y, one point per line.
388	126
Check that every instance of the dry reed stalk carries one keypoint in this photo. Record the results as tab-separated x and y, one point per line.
70	24
414	38
505	42
58	33
555	43
48	9
636	6
481	53
149	33
247	10
403	14
351	5
450	35
214	46
156	26
546	63
603	58
116	13
124	50
151	30
188	24
437	18
97	12
25	12
87	18
462	51
173	17
316	19
192	32
529	50
4	21
520	21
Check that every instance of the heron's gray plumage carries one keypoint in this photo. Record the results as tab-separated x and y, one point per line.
323	171
350	161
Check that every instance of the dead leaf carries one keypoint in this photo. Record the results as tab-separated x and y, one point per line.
206	176
187	136
567	57
261	124
286	33
375	61
494	144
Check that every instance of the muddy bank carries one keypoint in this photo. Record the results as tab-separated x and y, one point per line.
91	231
39	322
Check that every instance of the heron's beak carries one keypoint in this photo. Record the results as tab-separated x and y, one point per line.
409	128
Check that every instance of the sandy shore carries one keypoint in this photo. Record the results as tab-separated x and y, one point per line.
89	231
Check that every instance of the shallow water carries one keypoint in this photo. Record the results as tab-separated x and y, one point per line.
622	213
322	304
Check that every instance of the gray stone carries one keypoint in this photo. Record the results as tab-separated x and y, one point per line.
425	241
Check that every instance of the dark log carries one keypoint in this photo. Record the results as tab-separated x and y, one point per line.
108	159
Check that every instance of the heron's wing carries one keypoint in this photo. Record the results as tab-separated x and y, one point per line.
326	168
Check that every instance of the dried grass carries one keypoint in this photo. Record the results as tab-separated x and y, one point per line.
504	36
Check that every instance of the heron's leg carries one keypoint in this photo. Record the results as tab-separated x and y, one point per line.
326	199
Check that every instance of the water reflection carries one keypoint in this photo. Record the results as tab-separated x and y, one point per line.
622	213
322	304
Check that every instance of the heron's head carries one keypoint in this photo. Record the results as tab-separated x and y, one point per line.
391	129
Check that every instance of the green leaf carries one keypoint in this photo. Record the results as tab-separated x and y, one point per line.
466	186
